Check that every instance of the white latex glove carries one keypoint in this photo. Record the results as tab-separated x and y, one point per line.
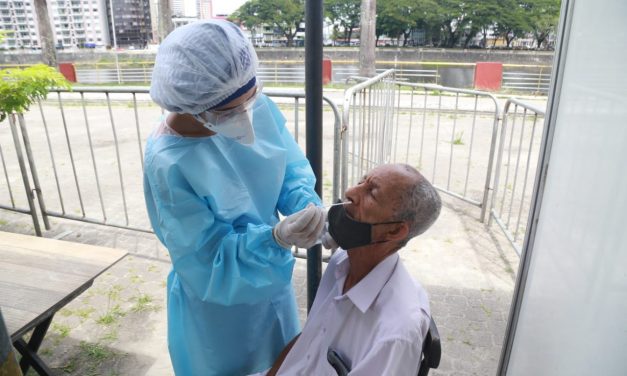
301	229
328	242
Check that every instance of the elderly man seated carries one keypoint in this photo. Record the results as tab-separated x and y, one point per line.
368	308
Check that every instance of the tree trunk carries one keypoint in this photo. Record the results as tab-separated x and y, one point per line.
290	37
165	19
350	35
540	39
509	40
367	38
46	38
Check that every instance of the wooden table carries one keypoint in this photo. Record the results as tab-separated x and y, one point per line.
38	276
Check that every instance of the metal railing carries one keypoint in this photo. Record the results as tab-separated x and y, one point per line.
515	170
81	153
524	81
448	134
78	155
269	73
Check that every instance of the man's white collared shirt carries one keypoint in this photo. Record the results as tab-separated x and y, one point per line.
377	327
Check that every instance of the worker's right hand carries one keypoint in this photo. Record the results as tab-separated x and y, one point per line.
301	229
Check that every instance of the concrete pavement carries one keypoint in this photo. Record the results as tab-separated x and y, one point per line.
118	327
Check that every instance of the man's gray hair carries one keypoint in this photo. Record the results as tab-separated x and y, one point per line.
419	205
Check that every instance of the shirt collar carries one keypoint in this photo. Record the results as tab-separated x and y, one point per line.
365	292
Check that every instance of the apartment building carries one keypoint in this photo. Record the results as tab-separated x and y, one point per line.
77	23
132	22
18	23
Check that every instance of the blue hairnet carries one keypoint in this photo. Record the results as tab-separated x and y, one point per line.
201	64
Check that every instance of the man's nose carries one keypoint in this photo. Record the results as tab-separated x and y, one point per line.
352	194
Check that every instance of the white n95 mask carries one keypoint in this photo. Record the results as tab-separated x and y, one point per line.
239	127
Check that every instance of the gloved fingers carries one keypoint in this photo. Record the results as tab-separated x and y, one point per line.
276	233
320	226
308	221
308	242
299	220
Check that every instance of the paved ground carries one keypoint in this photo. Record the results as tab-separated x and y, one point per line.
118	327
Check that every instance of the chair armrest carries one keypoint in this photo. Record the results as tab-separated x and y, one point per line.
337	363
431	350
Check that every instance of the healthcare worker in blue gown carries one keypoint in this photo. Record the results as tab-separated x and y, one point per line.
218	170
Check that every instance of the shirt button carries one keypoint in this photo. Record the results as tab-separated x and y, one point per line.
308	356
324	330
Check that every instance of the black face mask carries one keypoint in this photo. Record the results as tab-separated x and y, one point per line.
349	233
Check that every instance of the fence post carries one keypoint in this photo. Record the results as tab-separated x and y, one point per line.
20	160
33	170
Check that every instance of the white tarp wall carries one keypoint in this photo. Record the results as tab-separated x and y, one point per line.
570	311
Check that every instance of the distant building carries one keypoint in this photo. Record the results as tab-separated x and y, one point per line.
79	23
205	9
18	20
178	8
131	21
75	23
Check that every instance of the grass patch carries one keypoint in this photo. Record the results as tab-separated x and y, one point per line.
111	316
458	139
487	311
70	366
95	351
61	329
46	352
143	303
136	279
65	312
114	292
84	312
110	336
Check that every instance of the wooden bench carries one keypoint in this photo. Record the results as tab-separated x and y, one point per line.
38	277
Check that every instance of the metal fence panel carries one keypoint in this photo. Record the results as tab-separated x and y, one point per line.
515	169
448	134
84	153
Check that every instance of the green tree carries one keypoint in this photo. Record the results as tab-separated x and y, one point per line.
284	16
19	88
542	17
512	21
483	15
343	14
396	18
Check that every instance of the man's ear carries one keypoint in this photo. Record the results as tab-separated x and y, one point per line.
397	231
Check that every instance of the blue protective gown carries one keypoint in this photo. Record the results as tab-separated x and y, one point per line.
213	202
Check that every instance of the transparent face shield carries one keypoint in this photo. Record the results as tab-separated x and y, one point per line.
218	117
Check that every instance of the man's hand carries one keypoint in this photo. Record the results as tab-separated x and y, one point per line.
301	229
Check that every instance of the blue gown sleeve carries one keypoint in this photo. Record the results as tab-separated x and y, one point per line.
219	264
299	182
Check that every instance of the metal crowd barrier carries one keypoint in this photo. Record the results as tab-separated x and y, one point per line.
515	170
79	155
448	134
530	82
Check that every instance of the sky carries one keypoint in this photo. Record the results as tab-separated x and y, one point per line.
226	6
